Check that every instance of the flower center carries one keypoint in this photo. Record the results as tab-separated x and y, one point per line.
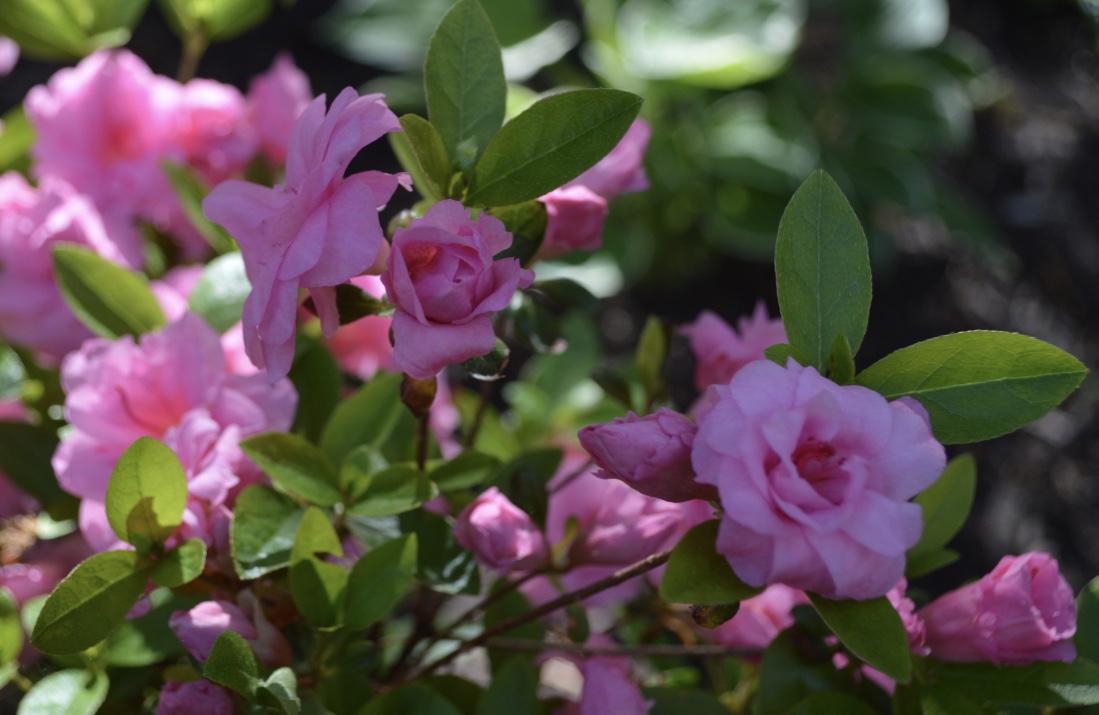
819	466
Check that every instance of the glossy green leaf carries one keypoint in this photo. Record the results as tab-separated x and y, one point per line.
367	417
25	457
16	139
977	385
464	82
379	580
295	465
148	640
1052	684
841	364
219	294
513	689
872	630
66	692
551	143
822	270
11	629
393	490
317	586
319	381
62	30
190	190
214	21
265	524
234	664
1087	621
526	222
946	505
430	156
90	602
831	704
696	573
415	699
111	300
441	563
181	565
147	494
490	366
469	469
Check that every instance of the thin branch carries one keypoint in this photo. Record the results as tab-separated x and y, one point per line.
194	47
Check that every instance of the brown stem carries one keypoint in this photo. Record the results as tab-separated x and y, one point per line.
194	47
647	564
482	605
641	651
426	606
421	442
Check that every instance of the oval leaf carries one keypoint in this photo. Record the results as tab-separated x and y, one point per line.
872	630
552	142
946	505
147	494
66	692
219	294
265	524
109	299
822	270
367	417
11	629
295	466
181	565
977	385
317	586
394	490
429	155
469	469
234	664
379	580
89	603
696	573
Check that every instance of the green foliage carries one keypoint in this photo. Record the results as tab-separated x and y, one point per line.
427	158
265	524
25	454
415	699
946	505
219	294
1086	639
1040	684
552	142
872	630
62	30
379	580
295	466
468	469
790	672
822	270
831	703
526	222
393	490
109	299
16	138
319	381
442	564
234	664
147	494
371	416
90	602
696	573
181	565
148	640
214	21
652	352
464	83
977	385
317	586
190	190
513	690
66	692
11	630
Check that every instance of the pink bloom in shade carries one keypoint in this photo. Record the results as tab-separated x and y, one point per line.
721	351
620	171
196	696
608	690
200	627
104	126
445	284
9	55
315	231
362	347
501	535
760	618
275	100
1020	613
32	221
173	290
814	479
652	454
574	221
913	624
213	134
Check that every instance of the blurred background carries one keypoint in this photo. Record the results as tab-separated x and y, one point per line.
965	134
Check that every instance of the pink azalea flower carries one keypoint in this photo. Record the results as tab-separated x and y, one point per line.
721	351
501	535
213	133
195	696
315	231
913	623
276	99
1020	613
199	628
760	618
445	284
814	479
32	311
620	171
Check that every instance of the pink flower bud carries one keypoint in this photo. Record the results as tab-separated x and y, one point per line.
913	624
721	350
574	221
199	628
652	454
500	534
1021	612
196	696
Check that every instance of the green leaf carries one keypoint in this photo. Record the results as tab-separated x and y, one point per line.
181	565
822	269
677	701
524	480
652	351
368	417
219	294
16	139
25	456
11	630
319	381
90	603
63	30
464	82
234	664
379	580
831	704
513	690
977	385
790	673
66	692
415	699
109	299
939	700
872	630
946	505
430	155
490	366
554	141
393	490
148	640
1087	621
280	690
214	21
930	561
469	469
265	524
441	563
1053	684
696	573
841	364
190	190
526	222
295	466
147	494
317	586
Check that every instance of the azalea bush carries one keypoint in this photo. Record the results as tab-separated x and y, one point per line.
272	443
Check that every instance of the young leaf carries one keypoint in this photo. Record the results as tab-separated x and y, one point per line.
464	82
234	664
946	504
107	298
652	351
280	690
430	155
441	563
265	524
190	190
11	630
872	630
822	269
394	490
696	573
219	294
554	141
977	385
295	465
66	692
147	494
90	602
469	469
1040	684
367	417
181	565
317	586
214	21
841	364
513	689
379	580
